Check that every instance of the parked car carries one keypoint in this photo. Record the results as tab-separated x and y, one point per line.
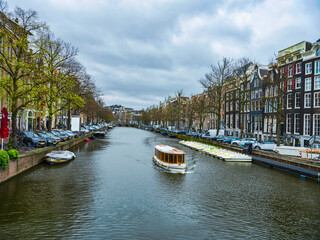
268	145
49	139
62	136
64	132
75	134
53	136
84	130
212	133
221	138
193	134
32	139
242	141
230	139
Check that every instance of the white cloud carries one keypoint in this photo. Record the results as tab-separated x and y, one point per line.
141	51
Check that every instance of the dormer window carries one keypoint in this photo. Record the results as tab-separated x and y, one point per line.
318	53
291	59
299	56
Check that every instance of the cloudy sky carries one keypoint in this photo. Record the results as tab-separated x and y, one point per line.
141	51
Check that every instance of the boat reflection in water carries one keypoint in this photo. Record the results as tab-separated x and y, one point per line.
170	158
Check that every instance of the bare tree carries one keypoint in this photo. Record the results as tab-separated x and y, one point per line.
214	83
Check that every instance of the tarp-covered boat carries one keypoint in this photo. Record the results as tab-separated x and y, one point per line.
57	157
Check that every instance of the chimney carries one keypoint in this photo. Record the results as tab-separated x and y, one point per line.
16	20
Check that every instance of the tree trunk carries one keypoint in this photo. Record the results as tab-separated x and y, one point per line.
14	129
69	117
218	123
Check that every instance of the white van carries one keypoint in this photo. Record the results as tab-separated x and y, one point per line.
212	133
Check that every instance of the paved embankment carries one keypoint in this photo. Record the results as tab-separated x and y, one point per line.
35	157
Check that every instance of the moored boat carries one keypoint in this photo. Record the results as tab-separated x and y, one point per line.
170	158
57	157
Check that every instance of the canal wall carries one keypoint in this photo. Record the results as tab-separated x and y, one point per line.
35	157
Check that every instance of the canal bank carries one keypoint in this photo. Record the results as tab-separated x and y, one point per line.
32	158
296	165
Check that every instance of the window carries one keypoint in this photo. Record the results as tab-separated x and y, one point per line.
289	85
307	100
317	99
316	124
265	127
283	62
289	101
291	59
317	67
289	118
307	123
289	71
299	56
298	67
308	68
318	53
297	83
317	82
275	91
307	84
267	92
274	124
266	107
296	123
297	100
270	106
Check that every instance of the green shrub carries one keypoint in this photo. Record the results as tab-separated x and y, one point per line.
4	159
13	154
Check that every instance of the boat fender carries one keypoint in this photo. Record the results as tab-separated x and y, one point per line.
87	140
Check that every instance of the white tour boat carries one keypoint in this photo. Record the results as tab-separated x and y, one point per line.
170	158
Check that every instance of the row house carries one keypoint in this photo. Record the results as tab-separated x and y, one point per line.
297	94
300	68
244	102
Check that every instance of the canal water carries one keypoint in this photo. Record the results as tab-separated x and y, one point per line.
113	191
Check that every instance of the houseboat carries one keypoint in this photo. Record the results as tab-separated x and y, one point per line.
170	158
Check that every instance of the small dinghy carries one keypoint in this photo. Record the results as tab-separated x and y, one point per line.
57	157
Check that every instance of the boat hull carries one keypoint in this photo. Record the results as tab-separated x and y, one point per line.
54	161
179	168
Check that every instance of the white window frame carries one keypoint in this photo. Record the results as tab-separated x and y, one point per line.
266	107
309	100
306	124
295	123
317	67
289	122
308	82
289	85
290	72
289	97
316	100
297	80
316	83
316	117
308	67
295	100
298	68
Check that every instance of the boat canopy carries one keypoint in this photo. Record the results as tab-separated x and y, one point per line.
168	149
